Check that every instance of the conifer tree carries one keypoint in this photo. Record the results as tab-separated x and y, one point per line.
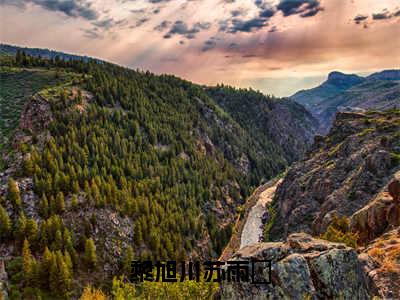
74	202
27	265
20	227
31	230
13	193
90	256
60	203
127	260
45	267
5	223
44	206
28	166
64	277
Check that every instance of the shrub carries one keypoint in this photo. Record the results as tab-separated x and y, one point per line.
339	231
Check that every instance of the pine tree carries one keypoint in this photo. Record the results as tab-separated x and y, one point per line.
68	261
90	256
60	203
20	227
74	202
68	245
13	193
127	261
53	275
58	241
44	207
45	267
27	259
31	230
64	277
28	166
5	223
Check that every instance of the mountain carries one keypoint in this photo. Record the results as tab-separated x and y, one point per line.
343	92
385	75
332	229
265	118
336	83
101	164
6	49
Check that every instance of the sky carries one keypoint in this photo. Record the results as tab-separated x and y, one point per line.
276	46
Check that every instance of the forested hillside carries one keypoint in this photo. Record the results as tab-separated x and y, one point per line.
266	120
108	164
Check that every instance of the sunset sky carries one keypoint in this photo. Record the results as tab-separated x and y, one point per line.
277	46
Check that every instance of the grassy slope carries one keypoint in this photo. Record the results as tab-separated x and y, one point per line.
17	85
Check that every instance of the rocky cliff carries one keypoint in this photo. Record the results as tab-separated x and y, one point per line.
353	172
341	175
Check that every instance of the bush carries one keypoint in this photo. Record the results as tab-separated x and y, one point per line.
339	232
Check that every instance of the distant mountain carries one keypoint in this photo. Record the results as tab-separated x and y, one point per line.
343	92
336	83
45	53
386	75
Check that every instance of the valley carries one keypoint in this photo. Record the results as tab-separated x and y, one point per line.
253	228
101	165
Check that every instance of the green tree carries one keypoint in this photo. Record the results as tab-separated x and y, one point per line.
20	227
44	207
45	267
13	193
90	256
5	223
127	260
60	203
31	230
74	202
28	263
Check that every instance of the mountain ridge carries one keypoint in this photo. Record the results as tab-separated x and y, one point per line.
341	92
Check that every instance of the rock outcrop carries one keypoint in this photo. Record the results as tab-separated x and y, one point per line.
380	214
303	268
352	165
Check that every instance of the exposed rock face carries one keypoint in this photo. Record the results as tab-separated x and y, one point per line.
353	163
303	268
394	189
377	216
36	115
381	263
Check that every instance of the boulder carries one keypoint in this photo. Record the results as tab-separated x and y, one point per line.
303	267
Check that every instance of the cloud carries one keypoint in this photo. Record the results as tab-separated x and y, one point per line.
208	45
306	8
267	13
71	8
162	26
382	15
359	18
238	12
181	28
91	33
106	23
247	26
